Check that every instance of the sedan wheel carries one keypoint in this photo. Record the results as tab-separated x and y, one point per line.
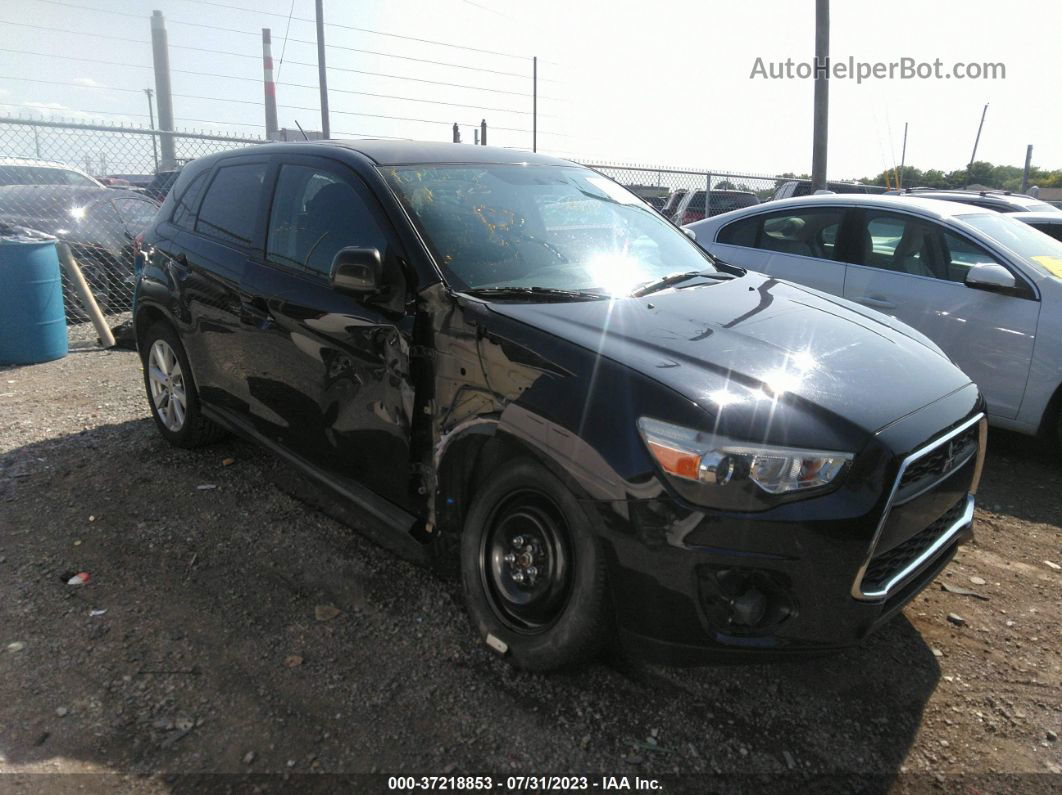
167	385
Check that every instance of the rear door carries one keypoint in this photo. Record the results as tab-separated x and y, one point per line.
225	234
799	244
328	373
914	269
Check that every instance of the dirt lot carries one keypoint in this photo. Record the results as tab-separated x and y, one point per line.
212	657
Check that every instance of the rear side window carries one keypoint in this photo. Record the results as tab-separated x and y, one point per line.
805	233
184	209
230	205
1054	230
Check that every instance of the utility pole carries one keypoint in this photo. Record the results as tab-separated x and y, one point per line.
534	104
163	97
154	142
903	158
483	132
1025	174
822	95
270	86
322	78
977	140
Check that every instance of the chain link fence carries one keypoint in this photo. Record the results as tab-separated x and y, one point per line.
683	194
96	187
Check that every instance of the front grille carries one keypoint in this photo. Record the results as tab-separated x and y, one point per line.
884	567
937	464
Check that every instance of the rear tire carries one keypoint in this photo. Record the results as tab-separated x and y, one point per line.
171	390
532	570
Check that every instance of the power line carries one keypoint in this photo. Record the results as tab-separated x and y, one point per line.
60	111
284	47
360	30
75	32
275	14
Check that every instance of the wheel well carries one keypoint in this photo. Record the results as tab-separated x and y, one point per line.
146	317
466	465
1052	419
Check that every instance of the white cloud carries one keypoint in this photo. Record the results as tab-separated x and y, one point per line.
86	81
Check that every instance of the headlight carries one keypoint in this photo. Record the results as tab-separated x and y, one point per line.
721	472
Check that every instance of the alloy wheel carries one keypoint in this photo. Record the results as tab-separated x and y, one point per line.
167	385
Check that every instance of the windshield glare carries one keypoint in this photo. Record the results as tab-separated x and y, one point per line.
554	227
1022	239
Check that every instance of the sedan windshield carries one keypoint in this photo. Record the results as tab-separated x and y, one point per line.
554	228
1022	239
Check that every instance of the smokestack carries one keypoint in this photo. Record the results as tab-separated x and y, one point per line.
270	86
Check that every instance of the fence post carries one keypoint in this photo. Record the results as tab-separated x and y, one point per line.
163	98
708	195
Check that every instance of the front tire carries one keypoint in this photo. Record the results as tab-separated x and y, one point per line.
532	570
171	390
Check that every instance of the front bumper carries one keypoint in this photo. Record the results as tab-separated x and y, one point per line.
692	585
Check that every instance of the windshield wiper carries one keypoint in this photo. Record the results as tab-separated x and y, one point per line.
545	293
675	278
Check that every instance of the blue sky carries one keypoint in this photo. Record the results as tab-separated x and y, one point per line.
665	83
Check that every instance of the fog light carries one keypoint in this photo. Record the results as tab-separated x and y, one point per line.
749	609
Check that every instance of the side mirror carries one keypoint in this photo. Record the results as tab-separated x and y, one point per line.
994	278
689	233
357	271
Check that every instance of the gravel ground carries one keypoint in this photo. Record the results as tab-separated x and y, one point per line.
229	628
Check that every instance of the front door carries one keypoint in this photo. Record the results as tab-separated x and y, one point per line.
328	373
914	270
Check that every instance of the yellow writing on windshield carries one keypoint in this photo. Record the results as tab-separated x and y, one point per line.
1053	264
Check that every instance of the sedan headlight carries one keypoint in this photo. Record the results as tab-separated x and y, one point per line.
725	473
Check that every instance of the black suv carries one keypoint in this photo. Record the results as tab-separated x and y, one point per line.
511	363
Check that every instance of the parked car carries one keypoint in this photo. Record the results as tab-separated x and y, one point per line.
1048	223
691	208
509	362
98	223
672	203
986	288
795	188
25	171
998	201
161	183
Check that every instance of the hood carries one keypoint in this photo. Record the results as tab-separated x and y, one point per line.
755	335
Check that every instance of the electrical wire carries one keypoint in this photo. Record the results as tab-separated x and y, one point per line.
284	46
60	111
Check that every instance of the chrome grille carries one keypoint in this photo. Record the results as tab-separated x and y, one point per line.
924	473
884	567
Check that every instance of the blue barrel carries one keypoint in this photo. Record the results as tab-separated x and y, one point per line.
32	322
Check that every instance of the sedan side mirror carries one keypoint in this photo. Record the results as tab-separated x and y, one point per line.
689	233
357	271
994	278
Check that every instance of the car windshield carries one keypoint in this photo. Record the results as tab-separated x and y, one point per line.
1022	239
545	227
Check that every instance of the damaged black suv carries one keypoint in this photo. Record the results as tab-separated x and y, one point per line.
510	363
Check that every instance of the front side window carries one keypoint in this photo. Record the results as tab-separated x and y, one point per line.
960	255
231	204
805	233
899	243
555	227
315	214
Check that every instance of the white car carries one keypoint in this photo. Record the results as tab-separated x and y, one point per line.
1048	223
26	171
984	287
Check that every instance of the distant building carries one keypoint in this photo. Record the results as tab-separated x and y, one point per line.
286	134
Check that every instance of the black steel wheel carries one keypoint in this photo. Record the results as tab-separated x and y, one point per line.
525	561
533	571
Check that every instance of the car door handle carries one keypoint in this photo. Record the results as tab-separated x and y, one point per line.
877	303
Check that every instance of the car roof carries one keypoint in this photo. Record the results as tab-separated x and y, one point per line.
1040	217
936	208
396	153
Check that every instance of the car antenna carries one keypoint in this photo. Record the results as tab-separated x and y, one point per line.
304	137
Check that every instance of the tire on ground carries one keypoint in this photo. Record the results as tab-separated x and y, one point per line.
583	623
